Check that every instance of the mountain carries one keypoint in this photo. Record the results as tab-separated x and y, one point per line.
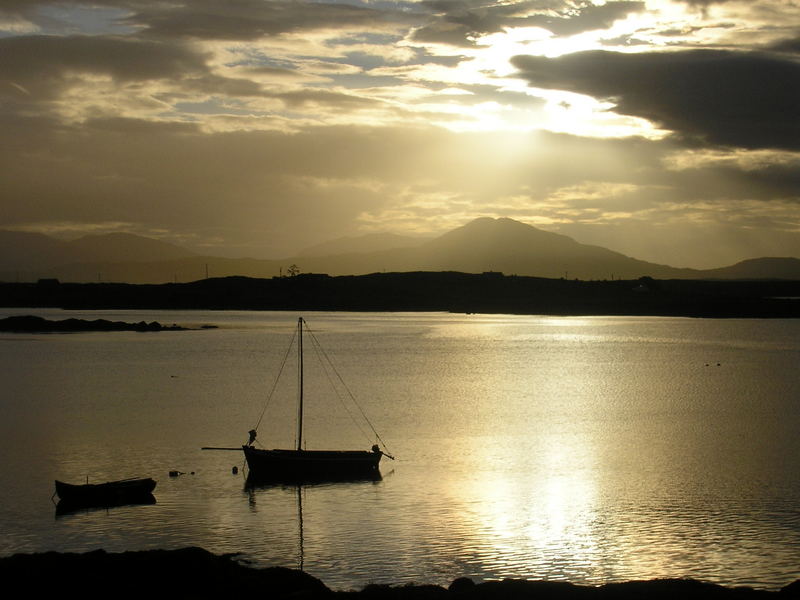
512	247
124	247
483	245
758	268
23	252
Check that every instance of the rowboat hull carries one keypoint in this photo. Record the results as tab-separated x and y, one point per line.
112	493
311	465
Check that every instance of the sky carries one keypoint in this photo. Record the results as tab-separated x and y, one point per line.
668	130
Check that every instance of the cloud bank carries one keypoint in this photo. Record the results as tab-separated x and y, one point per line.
261	127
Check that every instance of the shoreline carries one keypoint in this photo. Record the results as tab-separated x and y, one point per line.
489	293
195	572
34	324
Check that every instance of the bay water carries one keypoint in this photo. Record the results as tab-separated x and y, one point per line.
590	450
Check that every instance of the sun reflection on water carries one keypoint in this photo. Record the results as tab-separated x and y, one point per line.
589	450
539	525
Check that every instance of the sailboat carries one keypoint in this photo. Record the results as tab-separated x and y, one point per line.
298	464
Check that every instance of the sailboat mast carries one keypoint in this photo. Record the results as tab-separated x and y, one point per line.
300	383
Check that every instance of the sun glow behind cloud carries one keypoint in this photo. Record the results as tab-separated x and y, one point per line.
484	63
488	63
429	101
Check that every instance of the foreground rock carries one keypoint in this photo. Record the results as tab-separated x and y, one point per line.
186	573
31	324
196	573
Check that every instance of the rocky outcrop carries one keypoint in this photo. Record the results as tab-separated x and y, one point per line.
31	324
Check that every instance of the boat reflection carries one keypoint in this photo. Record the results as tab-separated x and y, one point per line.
254	481
67	507
297	486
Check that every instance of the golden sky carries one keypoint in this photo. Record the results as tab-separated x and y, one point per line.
668	130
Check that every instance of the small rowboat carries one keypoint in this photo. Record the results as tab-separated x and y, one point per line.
111	493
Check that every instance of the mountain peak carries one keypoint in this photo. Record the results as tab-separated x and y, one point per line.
504	231
495	222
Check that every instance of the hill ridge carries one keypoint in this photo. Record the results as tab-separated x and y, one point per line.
483	244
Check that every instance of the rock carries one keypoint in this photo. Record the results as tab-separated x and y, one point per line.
185	573
461	585
791	591
32	324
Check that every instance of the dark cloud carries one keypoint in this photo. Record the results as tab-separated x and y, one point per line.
458	22
215	84
39	69
789	46
41	66
274	72
445	32
730	182
240	20
140	126
745	99
589	17
703	5
312	97
18	8
683	32
253	19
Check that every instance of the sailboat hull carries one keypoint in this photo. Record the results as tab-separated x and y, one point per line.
299	465
309	465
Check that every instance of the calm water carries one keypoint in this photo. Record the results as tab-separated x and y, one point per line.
580	449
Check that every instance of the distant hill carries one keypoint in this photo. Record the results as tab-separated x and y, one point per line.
758	268
39	255
483	245
512	247
23	251
124	247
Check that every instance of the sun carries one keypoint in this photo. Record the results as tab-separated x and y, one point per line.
513	105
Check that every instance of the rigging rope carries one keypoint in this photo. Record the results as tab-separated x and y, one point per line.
325	366
344	385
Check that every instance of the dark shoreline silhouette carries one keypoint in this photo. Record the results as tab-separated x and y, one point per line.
428	291
33	324
194	572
